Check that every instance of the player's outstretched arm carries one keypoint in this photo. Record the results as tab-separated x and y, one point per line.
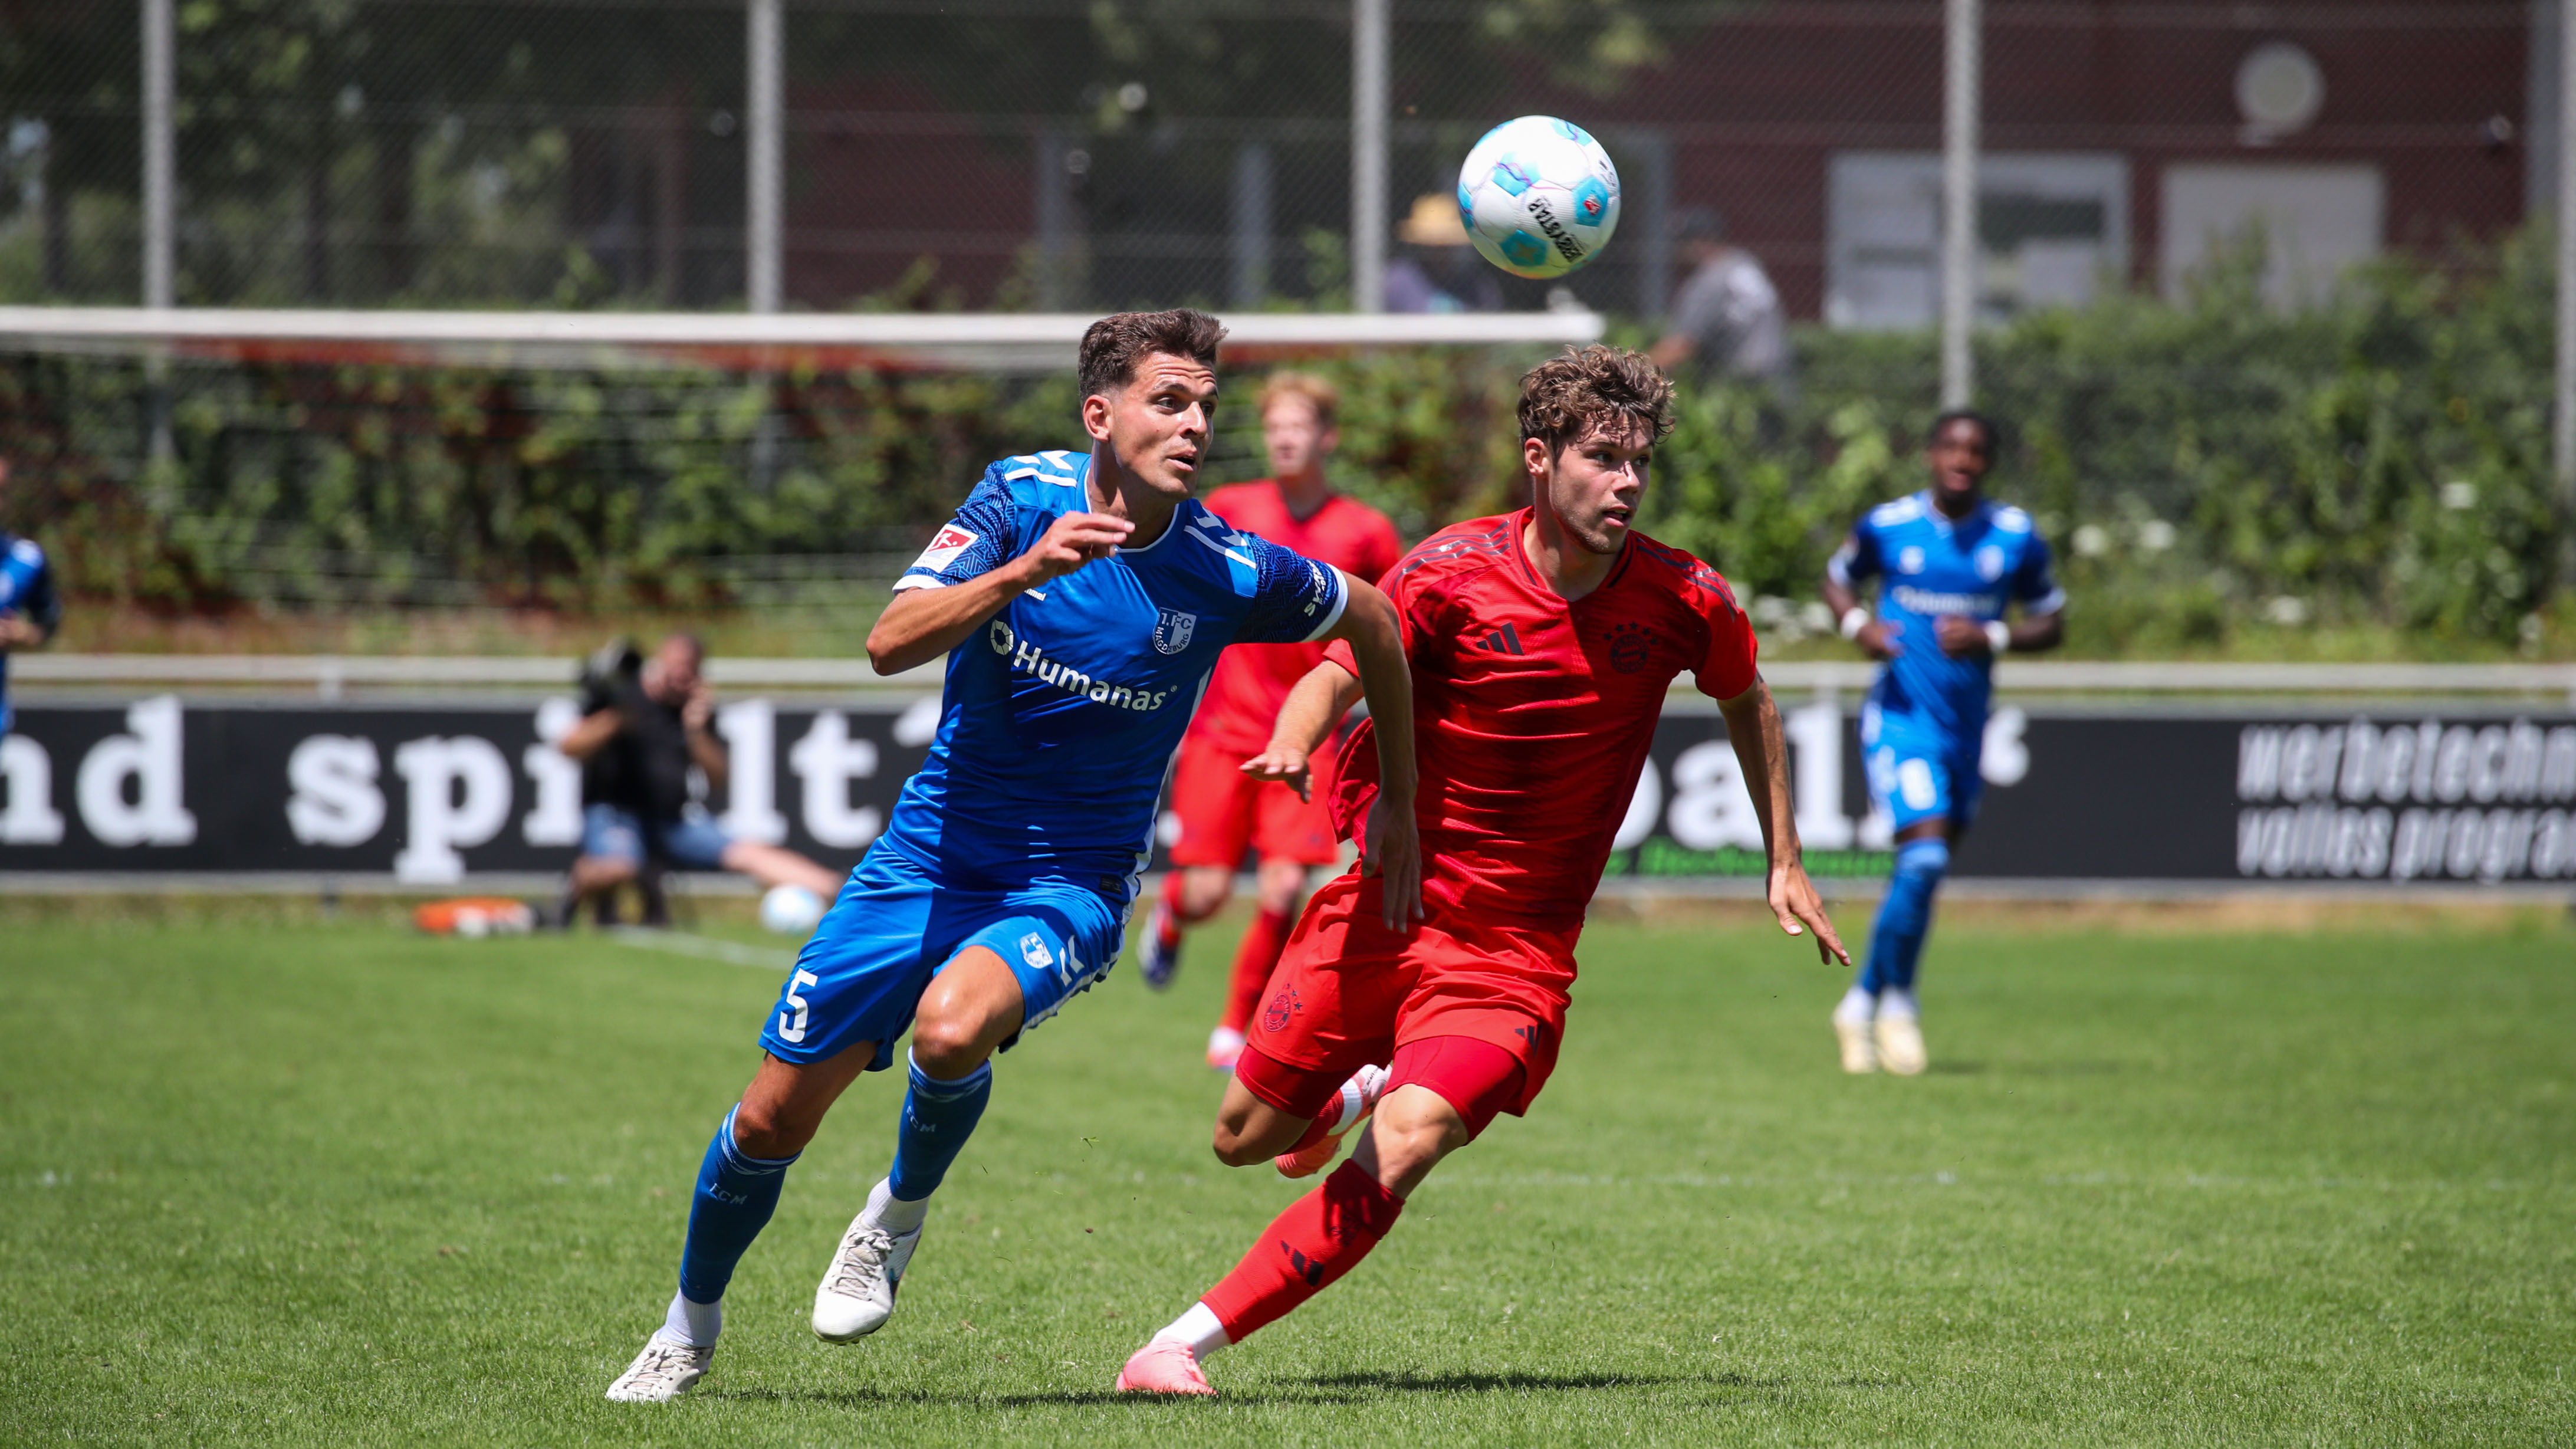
1392	846
922	624
1753	727
1306	719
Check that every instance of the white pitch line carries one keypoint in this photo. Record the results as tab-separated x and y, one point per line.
705	948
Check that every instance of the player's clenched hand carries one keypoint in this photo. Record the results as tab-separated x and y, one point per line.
1392	851
1802	911
1286	765
1877	638
1072	541
1961	637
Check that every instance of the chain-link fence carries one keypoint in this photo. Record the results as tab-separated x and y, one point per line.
1015	154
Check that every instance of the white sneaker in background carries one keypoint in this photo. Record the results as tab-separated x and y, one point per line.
1860	1055
1852	1017
1900	1045
1225	1047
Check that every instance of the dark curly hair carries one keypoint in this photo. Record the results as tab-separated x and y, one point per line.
1112	346
1582	390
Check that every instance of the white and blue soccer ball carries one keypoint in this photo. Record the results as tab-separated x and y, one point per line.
791	910
1539	197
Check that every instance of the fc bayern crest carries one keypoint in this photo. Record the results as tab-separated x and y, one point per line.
1172	631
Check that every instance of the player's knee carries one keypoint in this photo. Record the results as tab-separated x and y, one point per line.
1238	1149
1279	887
948	1044
1409	1144
1204	890
604	870
760	1131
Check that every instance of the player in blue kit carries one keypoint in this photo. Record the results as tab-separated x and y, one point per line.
1082	601
1951	562
30	610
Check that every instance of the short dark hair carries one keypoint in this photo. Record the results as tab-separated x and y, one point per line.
1112	346
1567	397
1993	431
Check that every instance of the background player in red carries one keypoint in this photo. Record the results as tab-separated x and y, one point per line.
1541	644
1223	810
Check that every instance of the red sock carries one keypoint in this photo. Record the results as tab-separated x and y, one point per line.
1319	1238
1253	961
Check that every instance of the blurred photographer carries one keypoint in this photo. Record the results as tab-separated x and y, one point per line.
645	722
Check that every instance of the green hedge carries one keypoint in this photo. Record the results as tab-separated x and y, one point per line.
2379	461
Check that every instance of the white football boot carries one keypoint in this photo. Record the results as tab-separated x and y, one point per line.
1851	1028
666	1369
857	1294
1900	1045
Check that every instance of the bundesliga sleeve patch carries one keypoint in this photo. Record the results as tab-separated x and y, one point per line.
944	549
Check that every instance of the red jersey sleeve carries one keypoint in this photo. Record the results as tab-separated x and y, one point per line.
1726	669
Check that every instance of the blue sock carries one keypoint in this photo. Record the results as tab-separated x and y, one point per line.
938	1117
1905	917
736	1194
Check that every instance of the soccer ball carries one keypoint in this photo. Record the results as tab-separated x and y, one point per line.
791	910
1539	197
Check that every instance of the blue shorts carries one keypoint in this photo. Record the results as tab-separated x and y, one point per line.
619	834
1919	770
895	925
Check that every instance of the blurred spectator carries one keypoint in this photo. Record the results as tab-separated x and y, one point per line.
1435	270
644	723
29	610
1726	322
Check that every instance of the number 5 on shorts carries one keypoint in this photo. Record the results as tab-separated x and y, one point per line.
794	1031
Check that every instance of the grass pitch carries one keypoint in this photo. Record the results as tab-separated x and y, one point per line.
340	1184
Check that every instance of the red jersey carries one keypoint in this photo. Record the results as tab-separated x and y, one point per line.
1252	680
1532	715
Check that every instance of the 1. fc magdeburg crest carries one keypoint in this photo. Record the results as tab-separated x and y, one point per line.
1173	629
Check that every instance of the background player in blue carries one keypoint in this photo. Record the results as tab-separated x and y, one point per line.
1082	601
30	611
1950	561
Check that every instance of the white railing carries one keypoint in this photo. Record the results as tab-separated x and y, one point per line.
1011	340
329	674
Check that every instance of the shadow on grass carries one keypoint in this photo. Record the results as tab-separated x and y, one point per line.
1408	1381
1349	1388
866	1398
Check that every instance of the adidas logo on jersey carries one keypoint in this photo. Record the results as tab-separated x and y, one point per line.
1030	659
1501	639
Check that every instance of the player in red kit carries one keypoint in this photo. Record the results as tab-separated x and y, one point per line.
1222	810
1541	644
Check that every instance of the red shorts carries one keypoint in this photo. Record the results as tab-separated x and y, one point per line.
1223	810
1348	992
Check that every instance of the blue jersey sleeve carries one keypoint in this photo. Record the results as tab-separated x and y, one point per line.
2034	584
1295	599
1857	559
984	533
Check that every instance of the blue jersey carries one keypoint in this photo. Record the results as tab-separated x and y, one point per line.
26	592
1932	565
1062	712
